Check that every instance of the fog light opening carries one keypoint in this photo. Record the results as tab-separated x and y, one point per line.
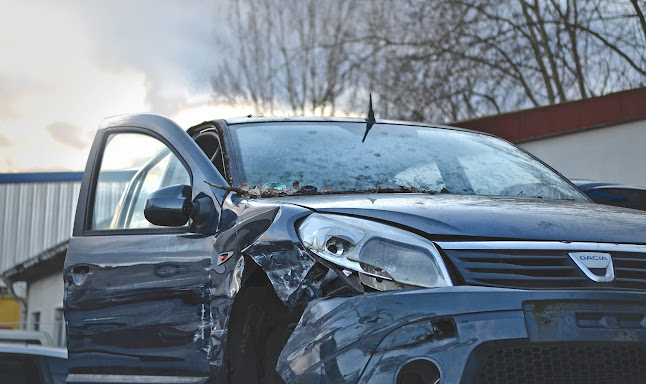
419	372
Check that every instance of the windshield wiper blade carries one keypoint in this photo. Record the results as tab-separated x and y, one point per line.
245	190
405	189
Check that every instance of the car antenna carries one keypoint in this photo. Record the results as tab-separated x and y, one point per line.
370	121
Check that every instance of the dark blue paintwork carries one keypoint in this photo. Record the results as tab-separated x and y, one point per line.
367	338
159	303
445	215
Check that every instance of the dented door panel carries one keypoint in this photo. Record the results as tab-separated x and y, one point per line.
143	308
137	300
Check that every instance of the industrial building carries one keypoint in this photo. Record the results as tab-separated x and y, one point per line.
37	213
601	138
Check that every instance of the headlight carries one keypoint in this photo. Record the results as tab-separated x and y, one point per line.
374	249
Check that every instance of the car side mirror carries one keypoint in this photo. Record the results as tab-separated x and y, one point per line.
169	206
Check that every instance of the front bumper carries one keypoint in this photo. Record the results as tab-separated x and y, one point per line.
369	338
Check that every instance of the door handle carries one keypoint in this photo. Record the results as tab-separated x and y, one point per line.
80	273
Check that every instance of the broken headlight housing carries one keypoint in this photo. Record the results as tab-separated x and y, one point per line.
376	251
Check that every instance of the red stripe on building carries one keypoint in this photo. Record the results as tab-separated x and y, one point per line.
563	118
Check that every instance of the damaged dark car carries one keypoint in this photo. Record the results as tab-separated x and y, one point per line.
319	250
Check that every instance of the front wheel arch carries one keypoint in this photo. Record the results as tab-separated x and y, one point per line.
259	326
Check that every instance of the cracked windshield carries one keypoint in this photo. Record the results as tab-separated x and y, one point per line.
331	157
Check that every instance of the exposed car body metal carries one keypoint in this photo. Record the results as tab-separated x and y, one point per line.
144	308
366	339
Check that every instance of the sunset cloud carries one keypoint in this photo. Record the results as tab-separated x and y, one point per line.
67	134
4	141
67	65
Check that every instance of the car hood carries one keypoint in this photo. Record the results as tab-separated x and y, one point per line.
445	216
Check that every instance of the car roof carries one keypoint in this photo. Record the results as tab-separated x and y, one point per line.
30	349
319	119
17	335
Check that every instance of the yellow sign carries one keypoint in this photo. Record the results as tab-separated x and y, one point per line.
9	313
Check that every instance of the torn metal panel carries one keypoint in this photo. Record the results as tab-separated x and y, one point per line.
258	230
238	227
287	265
368	338
334	340
266	231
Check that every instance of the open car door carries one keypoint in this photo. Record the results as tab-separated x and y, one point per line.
137	294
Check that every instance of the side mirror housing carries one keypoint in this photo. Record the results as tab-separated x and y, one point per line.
169	206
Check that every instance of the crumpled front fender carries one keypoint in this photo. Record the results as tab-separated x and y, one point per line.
261	231
280	253
265	232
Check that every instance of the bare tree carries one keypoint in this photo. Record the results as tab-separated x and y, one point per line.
293	56
442	60
640	14
501	55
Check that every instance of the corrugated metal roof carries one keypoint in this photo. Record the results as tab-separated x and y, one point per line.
34	216
41	265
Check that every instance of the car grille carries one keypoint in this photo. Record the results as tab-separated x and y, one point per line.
543	269
565	363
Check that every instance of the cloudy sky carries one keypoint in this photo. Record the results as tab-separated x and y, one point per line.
65	65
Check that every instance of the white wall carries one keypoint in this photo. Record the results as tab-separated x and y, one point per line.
45	296
610	154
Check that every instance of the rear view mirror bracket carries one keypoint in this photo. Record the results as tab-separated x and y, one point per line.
201	209
169	206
